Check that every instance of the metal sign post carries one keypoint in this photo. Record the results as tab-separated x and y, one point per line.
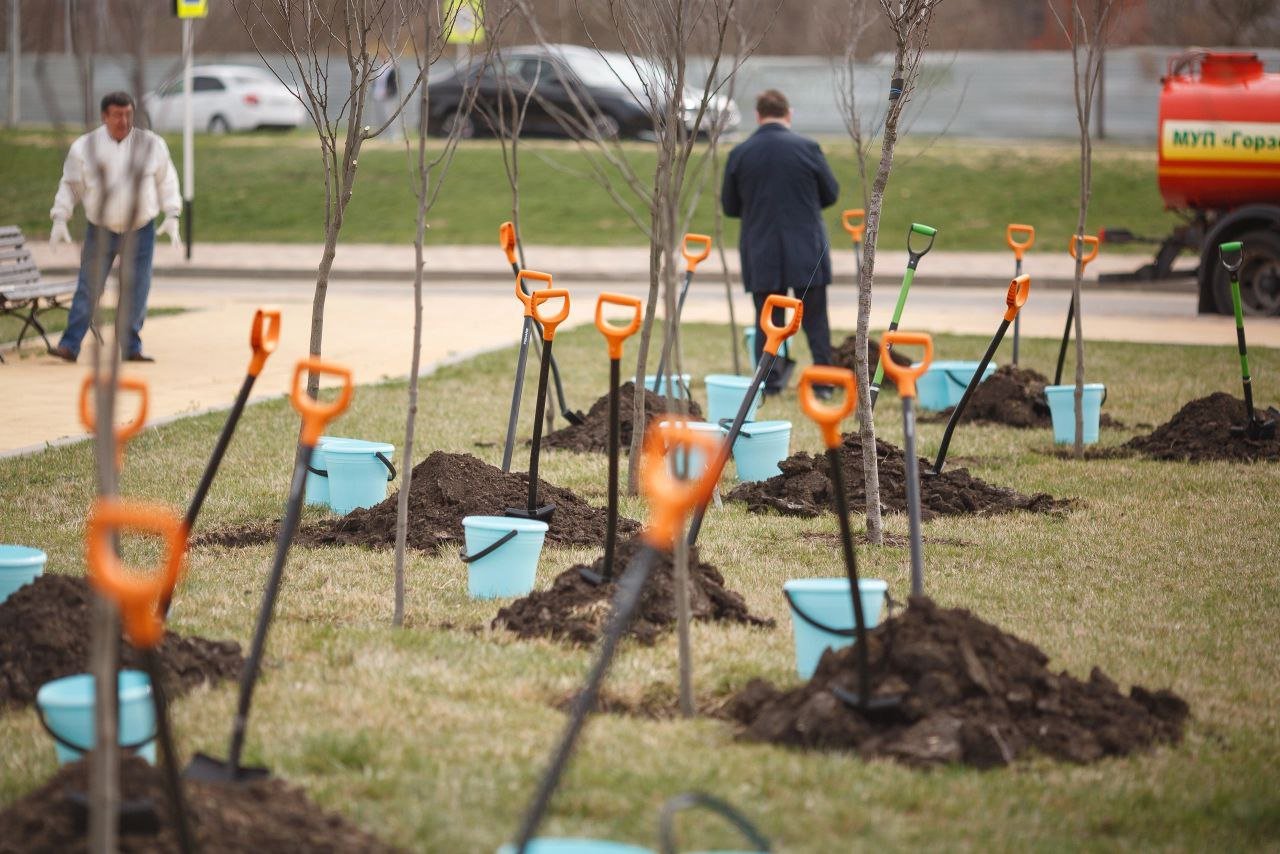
187	10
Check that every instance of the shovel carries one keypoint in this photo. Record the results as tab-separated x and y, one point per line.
1072	247
854	221
1015	299
913	259
670	500
692	260
124	432
1255	428
614	335
1018	247
774	336
526	332
904	377
138	596
548	324
316	415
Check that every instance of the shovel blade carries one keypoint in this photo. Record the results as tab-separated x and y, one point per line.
541	514
206	769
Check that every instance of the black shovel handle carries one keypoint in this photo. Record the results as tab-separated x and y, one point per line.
974	381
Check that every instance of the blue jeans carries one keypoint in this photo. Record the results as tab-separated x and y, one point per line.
82	304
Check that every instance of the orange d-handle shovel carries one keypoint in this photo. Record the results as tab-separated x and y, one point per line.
904	377
614	335
138	596
124	432
774	335
548	324
1015	299
1019	248
670	500
854	221
1073	247
526	334
316	415
691	259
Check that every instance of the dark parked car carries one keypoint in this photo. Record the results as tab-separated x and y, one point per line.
607	84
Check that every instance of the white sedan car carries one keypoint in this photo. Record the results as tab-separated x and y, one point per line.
226	98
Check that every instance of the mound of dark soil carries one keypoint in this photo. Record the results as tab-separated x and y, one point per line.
264	815
804	487
576	610
971	694
44	635
843	356
1010	396
1201	430
592	435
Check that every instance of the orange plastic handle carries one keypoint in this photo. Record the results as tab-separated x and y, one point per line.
1088	240
826	416
549	324
1019	290
507	240
670	498
263	337
1019	247
316	414
124	432
520	293
137	594
774	334
905	376
855	229
693	259
615	335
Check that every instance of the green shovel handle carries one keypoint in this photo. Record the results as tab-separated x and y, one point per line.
1228	252
926	231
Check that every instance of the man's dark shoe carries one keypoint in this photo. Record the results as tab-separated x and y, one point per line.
138	357
63	353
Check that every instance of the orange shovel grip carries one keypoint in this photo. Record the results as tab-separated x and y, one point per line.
774	334
316	414
137	594
507	240
855	229
520	292
669	497
1088	240
828	417
905	376
263	337
124	432
549	324
615	335
1016	298
1017	246
692	259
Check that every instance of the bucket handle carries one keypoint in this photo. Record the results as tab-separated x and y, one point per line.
317	471
81	749
489	549
727	423
688	800
391	469
844	633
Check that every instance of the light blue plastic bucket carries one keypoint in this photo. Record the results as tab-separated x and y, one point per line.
19	566
511	564
944	383
826	601
749	340
1062	408
679	390
358	477
550	845
760	447
66	707
318	477
724	395
691	462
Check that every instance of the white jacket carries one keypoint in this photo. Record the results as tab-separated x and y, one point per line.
100	173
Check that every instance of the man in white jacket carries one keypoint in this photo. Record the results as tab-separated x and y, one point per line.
123	176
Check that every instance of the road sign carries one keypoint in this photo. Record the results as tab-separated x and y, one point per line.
191	8
468	21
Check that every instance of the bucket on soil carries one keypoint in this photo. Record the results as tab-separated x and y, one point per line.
680	390
760	447
550	845
19	565
724	395
749	341
944	383
826	601
358	473
65	707
1062	408
502	555
689	463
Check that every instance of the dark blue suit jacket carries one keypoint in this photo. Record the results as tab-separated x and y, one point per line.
779	182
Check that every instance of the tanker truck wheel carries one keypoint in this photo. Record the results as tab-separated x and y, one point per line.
1259	276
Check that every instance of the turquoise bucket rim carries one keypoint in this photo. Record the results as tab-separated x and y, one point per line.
33	556
365	447
734	380
505	523
1059	389
764	428
834	585
703	426
578	844
49	696
666	377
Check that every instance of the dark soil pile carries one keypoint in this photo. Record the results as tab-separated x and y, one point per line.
263	815
1010	396
1201	430
576	610
592	435
843	356
44	635
804	487
971	694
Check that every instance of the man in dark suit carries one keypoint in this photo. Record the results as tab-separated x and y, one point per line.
778	182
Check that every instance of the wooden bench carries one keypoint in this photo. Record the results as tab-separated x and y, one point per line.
23	293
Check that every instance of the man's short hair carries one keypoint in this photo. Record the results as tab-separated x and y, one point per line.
772	104
116	99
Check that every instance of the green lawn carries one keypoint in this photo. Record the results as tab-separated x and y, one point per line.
268	187
433	736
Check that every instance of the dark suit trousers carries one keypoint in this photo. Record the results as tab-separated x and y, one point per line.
814	323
